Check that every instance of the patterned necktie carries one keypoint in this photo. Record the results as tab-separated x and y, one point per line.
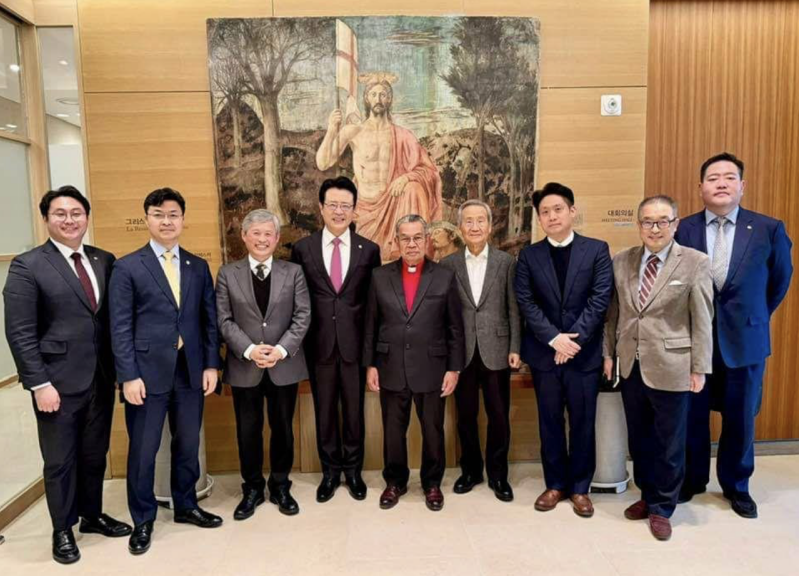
172	278
335	265
719	264
85	281
260	271
648	281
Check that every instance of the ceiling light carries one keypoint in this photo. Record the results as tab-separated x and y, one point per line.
63	115
13	67
12	126
63	63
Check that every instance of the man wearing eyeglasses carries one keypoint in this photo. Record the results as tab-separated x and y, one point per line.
659	325
57	326
338	268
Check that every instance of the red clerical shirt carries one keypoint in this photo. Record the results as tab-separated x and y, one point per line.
410	282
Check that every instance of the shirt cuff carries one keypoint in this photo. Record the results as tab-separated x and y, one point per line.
282	351
552	342
248	351
41	386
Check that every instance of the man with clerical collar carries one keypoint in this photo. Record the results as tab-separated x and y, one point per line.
414	351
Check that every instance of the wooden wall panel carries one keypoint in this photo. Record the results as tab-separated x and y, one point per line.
56	12
22	8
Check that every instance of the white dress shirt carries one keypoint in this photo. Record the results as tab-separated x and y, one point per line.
267	269
476	268
662	255
344	249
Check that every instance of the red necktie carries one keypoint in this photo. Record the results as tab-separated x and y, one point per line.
650	274
335	265
83	276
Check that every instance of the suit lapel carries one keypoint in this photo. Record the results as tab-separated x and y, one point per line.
319	261
424	284
150	261
356	250
279	275
545	261
743	234
186	274
396	284
669	266
98	266
698	233
575	261
492	267
463	275
58	262
244	280
633	279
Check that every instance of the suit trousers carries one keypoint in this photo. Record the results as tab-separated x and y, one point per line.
74	443
183	408
248	404
569	468
496	397
656	430
396	409
340	445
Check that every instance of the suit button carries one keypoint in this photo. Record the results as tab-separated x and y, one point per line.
334	317
264	324
407	326
175	346
640	316
407	346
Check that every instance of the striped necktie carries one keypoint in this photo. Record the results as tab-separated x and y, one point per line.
648	281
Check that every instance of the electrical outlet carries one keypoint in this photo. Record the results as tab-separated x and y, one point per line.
611	105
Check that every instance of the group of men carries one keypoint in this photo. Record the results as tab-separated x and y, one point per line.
693	302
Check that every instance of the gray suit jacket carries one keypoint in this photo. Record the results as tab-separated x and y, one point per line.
673	332
286	322
493	323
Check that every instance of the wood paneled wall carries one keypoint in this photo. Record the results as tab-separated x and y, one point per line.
723	75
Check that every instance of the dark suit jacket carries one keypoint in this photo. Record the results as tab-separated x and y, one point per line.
53	334
336	318
581	310
147	321
757	281
413	350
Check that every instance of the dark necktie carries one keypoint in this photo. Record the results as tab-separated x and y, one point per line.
85	281
260	271
648	281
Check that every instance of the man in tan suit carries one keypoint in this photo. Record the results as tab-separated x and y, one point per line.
660	328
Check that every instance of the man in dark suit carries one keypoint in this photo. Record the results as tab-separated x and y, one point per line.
413	350
56	315
750	256
493	335
338	267
563	286
264	314
166	349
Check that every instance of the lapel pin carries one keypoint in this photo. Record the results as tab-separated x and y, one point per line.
188	263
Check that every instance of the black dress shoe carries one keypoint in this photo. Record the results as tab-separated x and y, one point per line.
687	494
140	539
65	550
249	502
285	503
742	504
466	482
198	517
356	486
327	488
104	525
502	490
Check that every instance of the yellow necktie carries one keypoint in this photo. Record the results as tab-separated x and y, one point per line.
172	278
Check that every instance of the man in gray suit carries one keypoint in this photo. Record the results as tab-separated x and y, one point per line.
493	336
660	325
264	313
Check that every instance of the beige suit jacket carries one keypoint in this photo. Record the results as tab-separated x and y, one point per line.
673	332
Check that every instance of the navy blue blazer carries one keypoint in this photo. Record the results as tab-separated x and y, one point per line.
146	321
757	281
581	310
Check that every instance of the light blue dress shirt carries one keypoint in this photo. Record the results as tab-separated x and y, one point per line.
159	253
729	232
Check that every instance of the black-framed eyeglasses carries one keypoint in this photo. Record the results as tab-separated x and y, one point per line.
660	224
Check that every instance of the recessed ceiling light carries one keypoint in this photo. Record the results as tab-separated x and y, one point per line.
63	63
13	67
63	115
12	126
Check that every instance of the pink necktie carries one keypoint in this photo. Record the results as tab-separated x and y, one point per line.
335	265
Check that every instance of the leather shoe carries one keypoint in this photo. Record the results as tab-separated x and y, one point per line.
355	485
660	526
249	502
140	539
434	498
742	504
637	511
105	525
686	494
198	517
582	505
327	488
65	550
391	495
549	499
466	482
502	490
285	502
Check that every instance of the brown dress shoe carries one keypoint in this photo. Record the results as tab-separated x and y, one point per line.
549	499
391	495
433	498
638	511
582	505
660	526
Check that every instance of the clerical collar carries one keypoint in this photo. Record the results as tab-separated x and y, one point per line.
413	269
569	239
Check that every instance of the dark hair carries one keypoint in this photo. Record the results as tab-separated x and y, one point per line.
69	192
553	188
658	199
723	157
342	183
158	197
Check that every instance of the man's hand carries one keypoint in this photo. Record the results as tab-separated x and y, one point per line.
334	121
697	382
210	377
260	355
607	368
563	344
272	357
561	358
134	391
47	399
397	187
373	379
449	383
514	361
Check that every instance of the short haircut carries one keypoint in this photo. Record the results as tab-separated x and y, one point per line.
410	219
658	199
723	157
553	188
259	216
342	183
475	202
69	192
158	197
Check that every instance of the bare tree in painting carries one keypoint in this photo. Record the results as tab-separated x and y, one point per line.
229	81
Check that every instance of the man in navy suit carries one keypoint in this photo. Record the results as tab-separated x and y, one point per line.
563	286
751	266
166	348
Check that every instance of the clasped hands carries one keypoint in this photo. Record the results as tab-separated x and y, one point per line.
565	347
265	356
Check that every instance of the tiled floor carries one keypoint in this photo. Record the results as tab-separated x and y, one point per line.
474	534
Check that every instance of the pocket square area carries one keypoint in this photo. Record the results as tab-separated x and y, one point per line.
676	283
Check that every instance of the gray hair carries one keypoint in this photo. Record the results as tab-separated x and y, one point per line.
259	216
475	202
410	219
658	199
448	227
